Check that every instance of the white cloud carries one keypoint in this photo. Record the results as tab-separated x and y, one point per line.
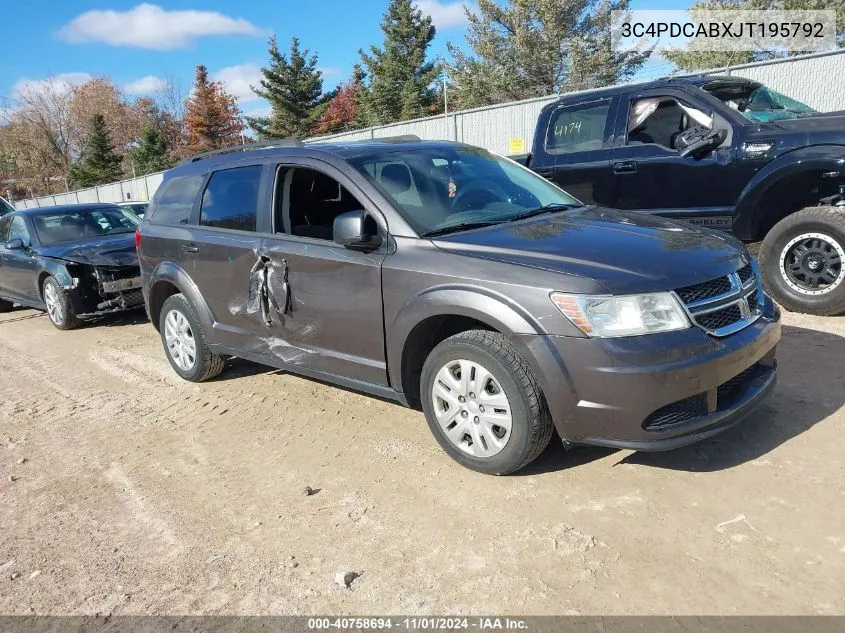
145	85
61	83
329	71
238	79
445	15
150	26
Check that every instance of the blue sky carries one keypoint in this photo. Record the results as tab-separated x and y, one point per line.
137	43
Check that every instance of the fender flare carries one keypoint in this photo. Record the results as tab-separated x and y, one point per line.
173	274
817	157
482	304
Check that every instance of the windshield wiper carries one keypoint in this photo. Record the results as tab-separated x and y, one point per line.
546	208
460	226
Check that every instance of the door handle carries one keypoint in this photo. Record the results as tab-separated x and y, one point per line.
190	248
625	167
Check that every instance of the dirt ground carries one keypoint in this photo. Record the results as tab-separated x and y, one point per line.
127	491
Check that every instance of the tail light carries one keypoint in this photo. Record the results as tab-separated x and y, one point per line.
137	239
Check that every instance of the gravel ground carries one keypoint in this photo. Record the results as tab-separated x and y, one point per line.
127	491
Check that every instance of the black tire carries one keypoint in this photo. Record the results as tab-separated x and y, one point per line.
775	253
5	306
206	363
531	422
67	320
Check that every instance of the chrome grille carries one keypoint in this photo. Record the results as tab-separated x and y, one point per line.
724	305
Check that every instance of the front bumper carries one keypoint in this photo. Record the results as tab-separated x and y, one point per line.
656	392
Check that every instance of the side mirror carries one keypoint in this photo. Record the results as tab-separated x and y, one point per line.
356	230
699	141
15	244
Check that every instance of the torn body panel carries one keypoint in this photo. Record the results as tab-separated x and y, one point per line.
96	290
268	289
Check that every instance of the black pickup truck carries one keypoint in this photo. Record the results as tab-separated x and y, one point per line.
721	152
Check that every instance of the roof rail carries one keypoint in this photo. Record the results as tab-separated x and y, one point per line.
400	138
248	147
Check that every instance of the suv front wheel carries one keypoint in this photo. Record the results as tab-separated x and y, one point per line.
184	343
801	261
483	404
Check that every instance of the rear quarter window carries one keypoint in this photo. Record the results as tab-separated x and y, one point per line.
230	200
173	202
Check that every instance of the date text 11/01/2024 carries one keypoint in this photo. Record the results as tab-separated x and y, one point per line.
418	623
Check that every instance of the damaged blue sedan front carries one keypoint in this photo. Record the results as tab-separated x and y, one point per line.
74	261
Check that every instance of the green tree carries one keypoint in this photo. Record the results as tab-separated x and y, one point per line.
700	57
400	77
151	155
294	87
530	48
99	163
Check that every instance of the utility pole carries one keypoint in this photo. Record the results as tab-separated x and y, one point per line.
445	105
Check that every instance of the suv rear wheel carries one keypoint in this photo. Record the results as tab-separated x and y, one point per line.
801	260
184	343
483	404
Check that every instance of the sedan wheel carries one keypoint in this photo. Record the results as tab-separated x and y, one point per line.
179	339
58	304
54	307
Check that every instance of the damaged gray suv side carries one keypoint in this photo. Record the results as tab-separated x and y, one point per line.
445	277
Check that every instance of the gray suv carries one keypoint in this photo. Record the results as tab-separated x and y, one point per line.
446	277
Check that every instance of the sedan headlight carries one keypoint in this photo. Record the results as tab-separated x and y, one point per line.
625	315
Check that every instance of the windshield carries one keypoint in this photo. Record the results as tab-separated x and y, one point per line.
78	224
5	207
453	187
758	103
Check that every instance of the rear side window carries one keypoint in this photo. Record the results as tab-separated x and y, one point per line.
578	128
230	200
173	203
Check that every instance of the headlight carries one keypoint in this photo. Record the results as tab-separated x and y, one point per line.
626	315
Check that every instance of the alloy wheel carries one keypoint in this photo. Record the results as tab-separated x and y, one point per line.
180	340
54	304
811	263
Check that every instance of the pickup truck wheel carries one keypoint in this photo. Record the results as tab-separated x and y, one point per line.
802	259
59	307
5	306
483	404
184	343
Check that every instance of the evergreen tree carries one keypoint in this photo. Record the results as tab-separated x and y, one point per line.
151	155
531	48
99	163
400	78
293	86
212	117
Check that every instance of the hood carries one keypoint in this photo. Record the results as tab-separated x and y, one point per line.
824	127
110	250
625	252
